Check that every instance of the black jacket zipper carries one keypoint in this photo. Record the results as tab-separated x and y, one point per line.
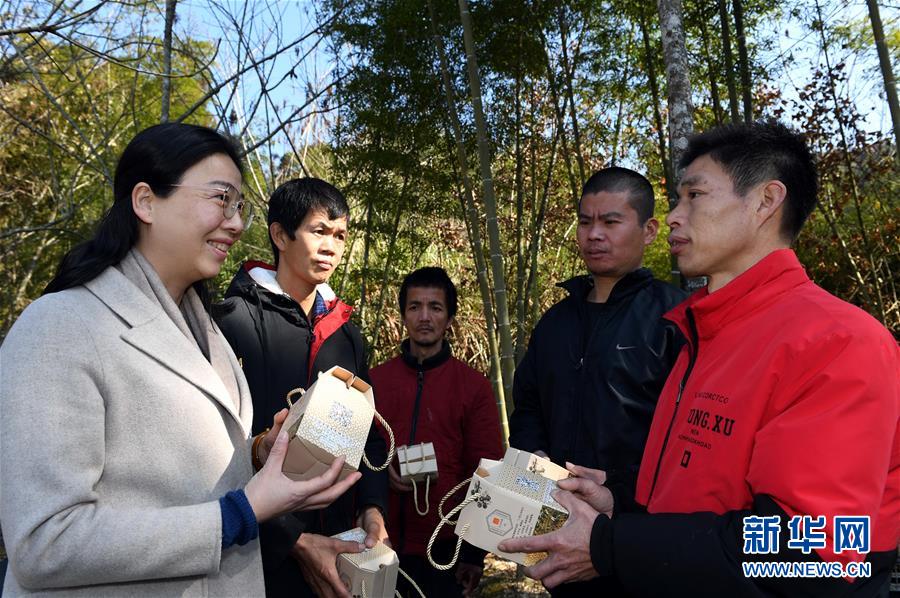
420	382
311	365
694	346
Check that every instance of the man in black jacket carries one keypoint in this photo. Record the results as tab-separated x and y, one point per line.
586	389
285	325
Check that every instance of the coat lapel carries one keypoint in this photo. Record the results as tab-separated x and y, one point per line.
153	332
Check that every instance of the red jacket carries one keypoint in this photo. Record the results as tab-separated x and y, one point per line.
457	412
787	392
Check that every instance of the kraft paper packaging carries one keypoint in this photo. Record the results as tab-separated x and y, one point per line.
511	499
331	419
417	462
371	573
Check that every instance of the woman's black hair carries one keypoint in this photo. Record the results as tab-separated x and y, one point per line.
158	156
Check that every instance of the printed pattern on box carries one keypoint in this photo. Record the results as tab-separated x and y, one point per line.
332	418
370	573
511	499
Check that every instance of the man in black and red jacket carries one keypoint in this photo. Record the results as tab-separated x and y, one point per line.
427	395
773	461
286	325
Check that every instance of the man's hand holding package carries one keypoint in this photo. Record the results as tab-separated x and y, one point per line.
271	493
586	498
397	483
372	521
317	557
569	546
265	447
587	484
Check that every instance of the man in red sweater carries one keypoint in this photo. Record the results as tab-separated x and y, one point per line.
773	461
427	395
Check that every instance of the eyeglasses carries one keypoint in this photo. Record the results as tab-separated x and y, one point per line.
232	202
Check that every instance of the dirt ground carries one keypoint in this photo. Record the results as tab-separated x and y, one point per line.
499	581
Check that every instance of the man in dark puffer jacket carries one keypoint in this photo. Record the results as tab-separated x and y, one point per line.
286	325
586	389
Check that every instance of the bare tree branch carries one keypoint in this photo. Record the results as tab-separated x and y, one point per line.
55	27
218	87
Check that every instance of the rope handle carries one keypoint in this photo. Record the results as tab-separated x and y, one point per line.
446	520
421	463
411	582
448	495
300	391
416	496
390	456
427	483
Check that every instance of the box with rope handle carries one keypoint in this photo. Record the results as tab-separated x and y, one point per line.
505	499
330	419
371	573
417	463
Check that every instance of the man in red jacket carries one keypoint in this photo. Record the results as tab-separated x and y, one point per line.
426	395
773	461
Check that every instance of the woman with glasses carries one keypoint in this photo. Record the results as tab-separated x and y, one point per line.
125	457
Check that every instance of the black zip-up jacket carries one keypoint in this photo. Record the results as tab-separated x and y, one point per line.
274	339
587	395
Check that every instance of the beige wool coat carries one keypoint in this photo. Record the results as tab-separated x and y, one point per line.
117	438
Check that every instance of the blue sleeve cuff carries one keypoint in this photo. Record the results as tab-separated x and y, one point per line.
239	524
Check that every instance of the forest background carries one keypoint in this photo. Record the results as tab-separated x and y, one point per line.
461	132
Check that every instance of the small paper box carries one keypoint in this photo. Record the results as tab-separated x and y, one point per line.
371	573
512	499
329	420
535	464
417	462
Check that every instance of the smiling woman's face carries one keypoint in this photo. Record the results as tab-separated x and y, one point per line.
186	235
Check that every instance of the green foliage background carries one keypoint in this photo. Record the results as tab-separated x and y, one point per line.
66	114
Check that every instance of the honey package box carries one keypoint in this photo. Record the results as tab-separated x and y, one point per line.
417	462
330	419
535	464
368	574
511	499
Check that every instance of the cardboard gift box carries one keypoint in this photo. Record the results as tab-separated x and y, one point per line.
417	462
332	418
368	574
511	499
